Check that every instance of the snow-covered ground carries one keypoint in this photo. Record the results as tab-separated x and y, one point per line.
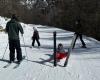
83	63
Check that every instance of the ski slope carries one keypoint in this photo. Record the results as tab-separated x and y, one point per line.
84	64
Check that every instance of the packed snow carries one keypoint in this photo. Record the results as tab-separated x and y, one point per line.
83	64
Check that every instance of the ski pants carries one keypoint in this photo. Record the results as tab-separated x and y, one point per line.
81	39
15	44
34	41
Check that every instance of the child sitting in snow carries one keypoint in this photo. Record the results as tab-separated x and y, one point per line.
60	52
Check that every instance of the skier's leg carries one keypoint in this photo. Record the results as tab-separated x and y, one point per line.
33	41
12	51
18	50
81	39
38	41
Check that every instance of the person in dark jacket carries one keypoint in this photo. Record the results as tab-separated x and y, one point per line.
12	28
79	33
35	37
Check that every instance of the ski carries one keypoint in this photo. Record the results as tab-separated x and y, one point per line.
73	41
7	65
70	49
67	57
18	63
16	66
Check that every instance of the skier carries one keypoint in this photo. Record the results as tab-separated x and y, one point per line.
12	28
60	53
78	34
60	48
35	37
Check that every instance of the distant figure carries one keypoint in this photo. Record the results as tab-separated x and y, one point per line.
79	34
35	37
12	28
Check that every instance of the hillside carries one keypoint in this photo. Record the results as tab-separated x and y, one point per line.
83	63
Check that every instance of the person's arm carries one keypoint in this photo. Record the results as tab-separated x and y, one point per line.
21	29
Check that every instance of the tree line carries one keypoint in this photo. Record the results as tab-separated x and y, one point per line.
58	13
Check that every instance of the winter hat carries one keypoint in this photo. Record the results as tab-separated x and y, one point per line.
35	28
60	45
14	17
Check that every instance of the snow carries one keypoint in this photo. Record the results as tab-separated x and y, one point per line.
83	63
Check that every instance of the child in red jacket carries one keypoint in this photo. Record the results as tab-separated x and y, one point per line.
60	52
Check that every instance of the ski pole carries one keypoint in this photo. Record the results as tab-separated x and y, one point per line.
5	51
55	62
25	47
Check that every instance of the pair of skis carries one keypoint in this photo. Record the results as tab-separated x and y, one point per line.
18	63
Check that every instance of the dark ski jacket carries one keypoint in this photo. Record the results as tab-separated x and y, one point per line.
35	35
12	28
78	27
